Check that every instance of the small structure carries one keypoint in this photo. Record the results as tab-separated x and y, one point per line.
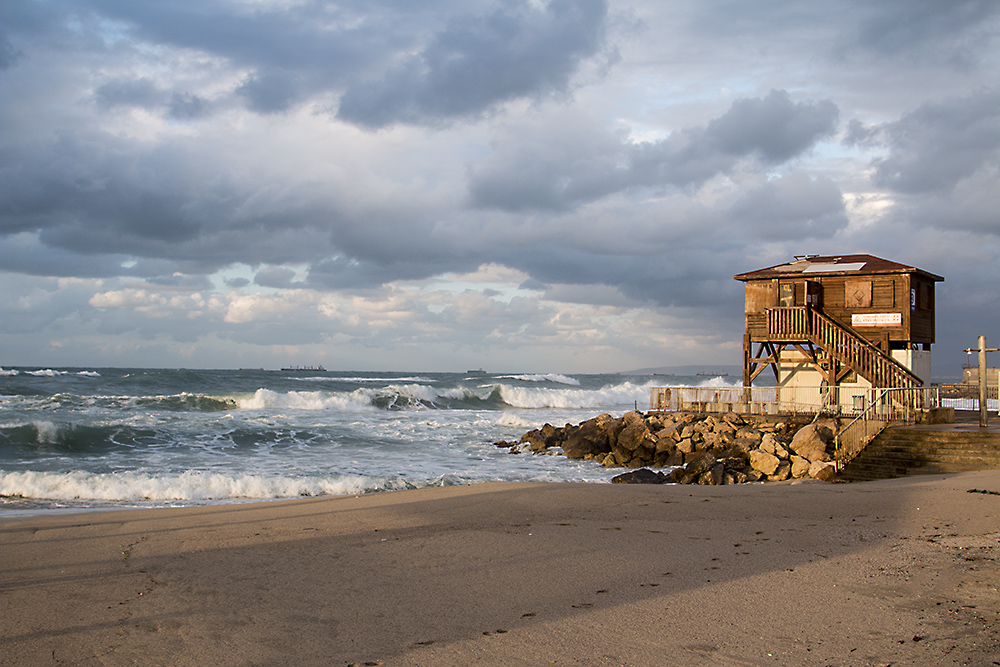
821	322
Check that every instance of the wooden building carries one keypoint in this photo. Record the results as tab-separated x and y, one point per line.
847	320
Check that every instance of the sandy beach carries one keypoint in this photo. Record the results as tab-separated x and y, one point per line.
898	572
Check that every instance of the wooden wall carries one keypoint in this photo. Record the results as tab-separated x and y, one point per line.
845	295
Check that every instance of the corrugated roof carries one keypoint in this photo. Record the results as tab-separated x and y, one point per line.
835	264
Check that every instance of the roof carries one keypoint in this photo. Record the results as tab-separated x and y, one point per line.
834	265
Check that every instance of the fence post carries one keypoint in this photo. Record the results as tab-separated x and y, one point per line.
982	382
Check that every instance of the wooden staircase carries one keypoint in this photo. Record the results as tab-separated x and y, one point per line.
912	450
803	323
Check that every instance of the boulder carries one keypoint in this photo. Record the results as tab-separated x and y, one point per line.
800	466
808	444
699	462
586	439
686	446
633	417
534	439
781	473
717	475
745	445
823	470
665	445
641	476
764	462
635	435
772	445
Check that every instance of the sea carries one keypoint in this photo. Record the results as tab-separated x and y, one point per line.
91	438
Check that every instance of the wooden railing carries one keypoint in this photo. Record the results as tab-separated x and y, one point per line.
840	342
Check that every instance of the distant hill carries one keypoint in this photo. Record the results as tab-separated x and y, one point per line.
691	369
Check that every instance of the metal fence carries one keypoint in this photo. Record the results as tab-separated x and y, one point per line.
847	402
966	396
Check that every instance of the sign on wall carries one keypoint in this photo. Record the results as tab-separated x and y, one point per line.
877	320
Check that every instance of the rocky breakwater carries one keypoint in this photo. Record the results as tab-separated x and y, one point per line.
698	448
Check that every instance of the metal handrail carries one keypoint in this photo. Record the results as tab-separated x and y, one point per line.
858	442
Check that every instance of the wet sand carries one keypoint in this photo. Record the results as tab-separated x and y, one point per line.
900	572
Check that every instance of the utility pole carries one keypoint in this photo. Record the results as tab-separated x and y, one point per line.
983	408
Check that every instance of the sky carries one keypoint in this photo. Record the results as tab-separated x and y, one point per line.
517	185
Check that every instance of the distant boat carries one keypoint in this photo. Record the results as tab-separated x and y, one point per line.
477	372
305	369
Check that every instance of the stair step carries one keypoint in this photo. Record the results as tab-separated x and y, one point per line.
901	451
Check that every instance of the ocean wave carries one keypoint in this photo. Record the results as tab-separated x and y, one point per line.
41	436
415	378
8	373
266	399
546	377
613	396
185	402
187	486
47	372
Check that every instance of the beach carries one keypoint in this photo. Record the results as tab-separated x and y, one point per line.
896	572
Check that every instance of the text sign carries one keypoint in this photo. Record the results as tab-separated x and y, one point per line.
877	320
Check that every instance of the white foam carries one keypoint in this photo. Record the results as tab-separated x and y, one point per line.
10	373
264	399
613	396
48	372
188	486
546	377
48	433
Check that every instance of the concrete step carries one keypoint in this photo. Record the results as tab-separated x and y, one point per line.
906	451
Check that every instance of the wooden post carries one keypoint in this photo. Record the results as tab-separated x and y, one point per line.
982	381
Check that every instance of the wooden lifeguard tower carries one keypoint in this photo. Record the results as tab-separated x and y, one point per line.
845	320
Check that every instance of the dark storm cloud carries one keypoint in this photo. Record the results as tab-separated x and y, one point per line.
275	276
793	207
530	171
136	92
938	145
478	62
390	62
955	32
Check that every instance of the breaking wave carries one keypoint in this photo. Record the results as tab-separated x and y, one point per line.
187	486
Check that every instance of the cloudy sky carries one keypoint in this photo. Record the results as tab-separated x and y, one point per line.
531	185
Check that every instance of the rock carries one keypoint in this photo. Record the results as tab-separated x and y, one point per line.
800	466
823	470
633	417
781	473
764	462
733	418
609	461
634	435
699	462
772	445
736	477
587	438
667	432
745	445
808	444
686	446
666	445
676	458
717	474
534	439
641	476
